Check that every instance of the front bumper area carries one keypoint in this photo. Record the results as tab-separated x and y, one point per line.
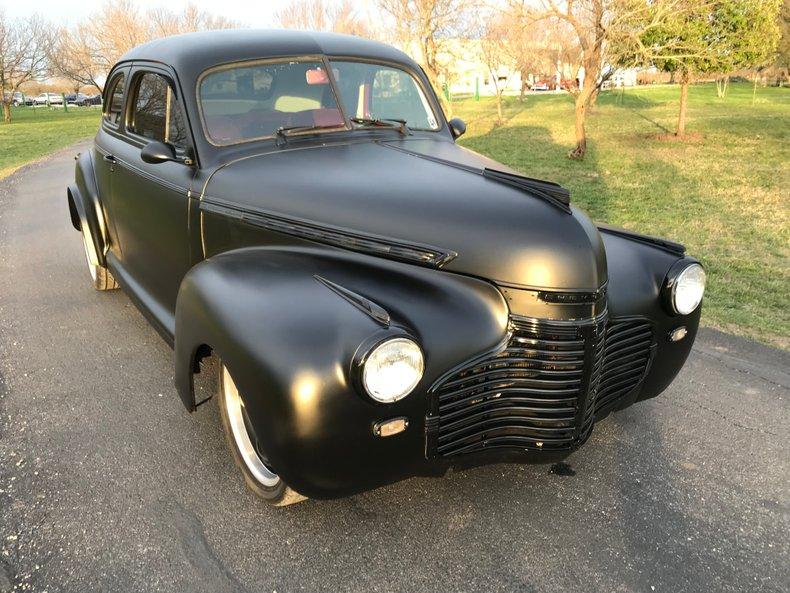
533	399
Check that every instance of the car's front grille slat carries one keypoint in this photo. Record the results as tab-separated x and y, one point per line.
629	345
531	393
542	389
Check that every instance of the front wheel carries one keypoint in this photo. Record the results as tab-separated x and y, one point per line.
246	450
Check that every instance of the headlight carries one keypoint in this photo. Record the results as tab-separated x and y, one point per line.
687	289
392	370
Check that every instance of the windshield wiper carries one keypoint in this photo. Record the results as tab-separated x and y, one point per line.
283	132
383	122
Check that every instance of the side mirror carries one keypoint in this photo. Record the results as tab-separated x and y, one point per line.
457	127
156	152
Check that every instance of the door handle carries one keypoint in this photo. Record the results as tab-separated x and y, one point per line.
110	158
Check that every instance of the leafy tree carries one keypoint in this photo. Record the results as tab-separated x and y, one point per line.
604	31
783	51
711	36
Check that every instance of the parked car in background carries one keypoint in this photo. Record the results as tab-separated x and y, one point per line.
21	99
93	99
78	99
380	302
540	85
48	99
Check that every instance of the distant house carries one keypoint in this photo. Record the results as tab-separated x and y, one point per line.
466	73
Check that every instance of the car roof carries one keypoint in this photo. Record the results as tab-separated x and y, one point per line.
192	53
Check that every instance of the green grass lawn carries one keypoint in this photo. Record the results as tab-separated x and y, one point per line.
724	193
37	131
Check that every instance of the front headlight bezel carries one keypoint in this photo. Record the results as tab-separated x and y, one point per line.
674	276
363	356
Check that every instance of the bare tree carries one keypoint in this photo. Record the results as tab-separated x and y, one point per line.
74	55
323	15
86	52
165	22
500	56
24	47
426	27
538	48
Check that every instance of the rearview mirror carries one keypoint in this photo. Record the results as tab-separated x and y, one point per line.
156	152
457	127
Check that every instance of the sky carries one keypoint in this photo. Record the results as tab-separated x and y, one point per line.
258	14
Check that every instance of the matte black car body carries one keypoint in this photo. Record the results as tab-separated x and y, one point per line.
280	257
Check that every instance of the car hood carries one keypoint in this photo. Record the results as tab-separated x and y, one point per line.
412	191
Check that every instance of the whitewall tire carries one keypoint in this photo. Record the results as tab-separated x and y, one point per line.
260	478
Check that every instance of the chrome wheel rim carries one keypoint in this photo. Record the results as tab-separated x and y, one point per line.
245	444
91	267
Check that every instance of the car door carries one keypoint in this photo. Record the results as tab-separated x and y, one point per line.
150	202
106	138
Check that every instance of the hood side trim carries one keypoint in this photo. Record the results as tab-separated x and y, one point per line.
546	190
373	310
553	193
669	246
415	253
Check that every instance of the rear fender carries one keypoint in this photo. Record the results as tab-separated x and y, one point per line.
290	339
85	210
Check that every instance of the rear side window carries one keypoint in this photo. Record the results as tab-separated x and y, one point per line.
156	115
112	110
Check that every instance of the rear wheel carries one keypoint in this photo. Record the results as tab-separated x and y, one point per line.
101	276
245	447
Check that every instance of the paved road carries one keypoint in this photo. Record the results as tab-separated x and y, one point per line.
107	484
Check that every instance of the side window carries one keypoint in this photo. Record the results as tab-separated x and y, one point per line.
156	114
114	104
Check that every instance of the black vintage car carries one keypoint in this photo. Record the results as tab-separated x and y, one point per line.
383	302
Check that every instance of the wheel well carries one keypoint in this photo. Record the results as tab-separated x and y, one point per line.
201	352
75	216
204	375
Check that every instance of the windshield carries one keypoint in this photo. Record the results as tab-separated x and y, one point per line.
253	101
256	100
377	91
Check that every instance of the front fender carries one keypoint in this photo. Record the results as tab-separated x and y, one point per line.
289	340
637	275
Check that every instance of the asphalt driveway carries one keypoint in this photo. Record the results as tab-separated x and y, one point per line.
107	484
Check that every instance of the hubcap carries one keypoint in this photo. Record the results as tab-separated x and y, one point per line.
91	267
245	441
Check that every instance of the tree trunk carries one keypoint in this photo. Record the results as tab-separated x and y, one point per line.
6	112
754	89
581	133
500	119
721	86
684	95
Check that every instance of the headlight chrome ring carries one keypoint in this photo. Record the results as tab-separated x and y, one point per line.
391	369
684	287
